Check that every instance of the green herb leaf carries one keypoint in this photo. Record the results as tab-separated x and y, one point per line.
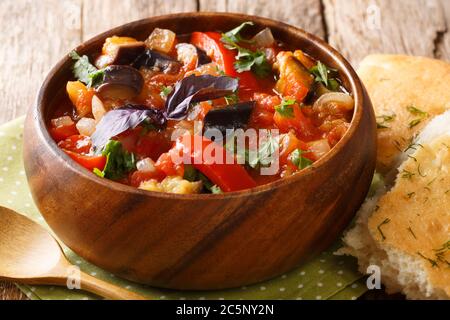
215	189
414	123
232	99
235	34
285	108
165	91
384	119
298	160
417	112
119	162
246	59
322	75
84	71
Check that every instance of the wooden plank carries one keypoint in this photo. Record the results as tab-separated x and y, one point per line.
443	41
305	14
101	15
357	28
35	36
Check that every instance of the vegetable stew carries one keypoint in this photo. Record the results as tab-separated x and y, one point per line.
208	112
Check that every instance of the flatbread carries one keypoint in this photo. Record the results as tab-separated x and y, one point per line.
395	84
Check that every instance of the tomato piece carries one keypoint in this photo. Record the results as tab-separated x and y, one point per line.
303	126
210	43
89	162
76	143
137	177
262	115
229	177
152	145
166	165
63	132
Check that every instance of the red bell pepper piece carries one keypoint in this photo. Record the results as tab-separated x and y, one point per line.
210	43
63	132
89	162
229	177
76	143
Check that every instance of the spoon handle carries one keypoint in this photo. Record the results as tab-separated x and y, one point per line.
107	290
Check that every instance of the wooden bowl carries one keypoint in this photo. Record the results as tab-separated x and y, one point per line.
201	241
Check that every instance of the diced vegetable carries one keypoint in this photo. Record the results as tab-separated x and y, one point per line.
263	39
62	128
119	50
81	97
76	143
62	121
138	177
297	121
295	80
121	82
211	43
162	40
319	148
98	108
146	164
89	162
86	126
173	184
229	177
157	61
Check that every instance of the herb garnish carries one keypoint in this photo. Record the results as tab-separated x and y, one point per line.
384	119
119	162
385	221
84	71
407	174
417	112
165	91
263	156
246	59
298	160
322	75
286	108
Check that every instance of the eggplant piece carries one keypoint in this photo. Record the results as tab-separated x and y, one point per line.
123	53
187	52
120	82
234	116
155	60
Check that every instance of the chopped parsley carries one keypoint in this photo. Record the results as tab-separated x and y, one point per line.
84	71
322	75
165	91
298	160
286	108
246	59
407	174
384	120
119	162
232	99
416	112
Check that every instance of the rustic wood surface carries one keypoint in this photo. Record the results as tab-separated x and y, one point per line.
37	33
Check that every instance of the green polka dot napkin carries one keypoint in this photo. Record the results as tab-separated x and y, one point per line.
325	277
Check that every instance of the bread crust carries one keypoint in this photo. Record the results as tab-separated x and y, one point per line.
396	82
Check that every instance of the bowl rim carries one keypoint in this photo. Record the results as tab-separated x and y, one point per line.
356	89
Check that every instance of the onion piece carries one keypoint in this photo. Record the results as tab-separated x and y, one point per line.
264	38
319	148
146	165
86	126
98	108
62	121
162	40
335	100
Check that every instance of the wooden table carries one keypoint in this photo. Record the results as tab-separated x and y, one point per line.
35	34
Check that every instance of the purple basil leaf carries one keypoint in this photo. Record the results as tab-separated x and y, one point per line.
234	116
194	89
119	120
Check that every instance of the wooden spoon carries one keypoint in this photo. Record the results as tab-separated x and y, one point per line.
29	254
